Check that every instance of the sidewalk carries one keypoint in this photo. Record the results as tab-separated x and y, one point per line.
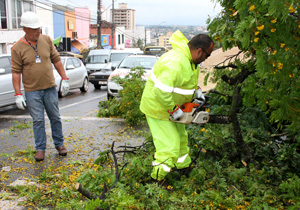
84	138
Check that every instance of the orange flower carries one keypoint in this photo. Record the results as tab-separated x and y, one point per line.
260	28
273	29
252	7
274	21
291	9
280	65
256	39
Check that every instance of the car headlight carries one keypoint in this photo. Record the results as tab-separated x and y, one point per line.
92	77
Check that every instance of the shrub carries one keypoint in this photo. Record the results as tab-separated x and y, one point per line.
127	106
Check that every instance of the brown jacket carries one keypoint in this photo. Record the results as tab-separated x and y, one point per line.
35	76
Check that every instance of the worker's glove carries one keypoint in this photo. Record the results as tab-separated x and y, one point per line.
20	101
199	97
176	114
64	87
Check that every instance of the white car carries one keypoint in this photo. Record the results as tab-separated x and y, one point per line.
76	72
7	91
144	61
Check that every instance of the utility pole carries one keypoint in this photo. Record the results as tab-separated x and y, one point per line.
99	21
112	26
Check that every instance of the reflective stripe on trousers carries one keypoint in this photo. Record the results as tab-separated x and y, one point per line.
158	84
165	167
182	159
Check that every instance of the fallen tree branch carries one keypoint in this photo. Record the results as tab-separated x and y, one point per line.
89	194
116	166
136	190
126	151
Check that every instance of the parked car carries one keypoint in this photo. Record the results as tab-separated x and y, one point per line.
7	91
97	59
76	72
145	61
99	79
116	56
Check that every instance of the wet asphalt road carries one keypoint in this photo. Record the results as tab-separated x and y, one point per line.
85	135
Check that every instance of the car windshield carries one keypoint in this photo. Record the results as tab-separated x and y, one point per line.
118	56
92	59
145	62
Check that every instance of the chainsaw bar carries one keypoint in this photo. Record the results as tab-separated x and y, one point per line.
219	119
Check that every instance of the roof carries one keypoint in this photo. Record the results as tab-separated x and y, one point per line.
70	54
76	44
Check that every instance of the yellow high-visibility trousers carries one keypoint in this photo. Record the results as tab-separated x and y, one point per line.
171	143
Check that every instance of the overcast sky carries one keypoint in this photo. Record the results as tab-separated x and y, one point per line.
159	12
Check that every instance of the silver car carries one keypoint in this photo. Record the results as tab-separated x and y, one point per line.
7	91
76	72
123	69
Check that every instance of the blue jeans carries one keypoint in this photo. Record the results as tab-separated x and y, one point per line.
37	102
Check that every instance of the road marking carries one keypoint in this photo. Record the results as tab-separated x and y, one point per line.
81	102
65	118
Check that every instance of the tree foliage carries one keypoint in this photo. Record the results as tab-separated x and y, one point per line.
267	32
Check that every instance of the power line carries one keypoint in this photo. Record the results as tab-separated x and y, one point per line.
68	15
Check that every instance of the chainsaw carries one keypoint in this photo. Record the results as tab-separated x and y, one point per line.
197	114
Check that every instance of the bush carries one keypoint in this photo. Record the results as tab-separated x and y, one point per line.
127	106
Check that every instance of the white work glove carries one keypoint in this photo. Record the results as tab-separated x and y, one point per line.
20	101
64	87
199	97
176	114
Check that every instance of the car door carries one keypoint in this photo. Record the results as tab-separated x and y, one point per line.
6	87
78	71
71	73
7	91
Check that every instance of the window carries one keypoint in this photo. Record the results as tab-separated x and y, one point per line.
3	18
5	64
71	24
17	7
27	6
119	39
76	62
69	62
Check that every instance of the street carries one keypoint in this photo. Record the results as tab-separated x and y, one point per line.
85	135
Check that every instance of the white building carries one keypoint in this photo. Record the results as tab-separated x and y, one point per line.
139	32
10	29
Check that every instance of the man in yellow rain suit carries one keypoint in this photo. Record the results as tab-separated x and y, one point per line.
172	83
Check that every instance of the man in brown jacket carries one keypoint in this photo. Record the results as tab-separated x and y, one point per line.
32	57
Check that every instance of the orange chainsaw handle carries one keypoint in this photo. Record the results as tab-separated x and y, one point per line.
188	107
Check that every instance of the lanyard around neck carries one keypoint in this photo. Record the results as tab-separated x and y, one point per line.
35	48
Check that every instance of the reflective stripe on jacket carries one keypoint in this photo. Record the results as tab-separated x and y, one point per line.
173	81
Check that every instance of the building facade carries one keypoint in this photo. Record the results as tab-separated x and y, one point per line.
123	17
164	40
10	28
106	34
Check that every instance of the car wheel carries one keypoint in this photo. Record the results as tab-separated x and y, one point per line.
96	86
109	97
85	86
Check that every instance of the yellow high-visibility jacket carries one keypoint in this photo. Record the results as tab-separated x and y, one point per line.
173	81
